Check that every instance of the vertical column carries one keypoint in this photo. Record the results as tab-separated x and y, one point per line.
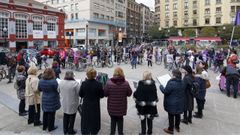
45	34
30	33
12	34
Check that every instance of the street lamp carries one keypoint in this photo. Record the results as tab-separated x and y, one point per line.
87	36
5	36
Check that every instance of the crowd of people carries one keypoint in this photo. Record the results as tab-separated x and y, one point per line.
189	82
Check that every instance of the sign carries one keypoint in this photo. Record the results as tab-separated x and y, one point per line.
51	34
37	34
163	80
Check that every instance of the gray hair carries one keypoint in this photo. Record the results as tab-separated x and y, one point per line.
69	75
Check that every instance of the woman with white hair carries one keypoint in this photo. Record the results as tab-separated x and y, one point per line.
69	90
146	99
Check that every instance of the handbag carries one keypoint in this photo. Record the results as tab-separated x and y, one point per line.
80	107
208	84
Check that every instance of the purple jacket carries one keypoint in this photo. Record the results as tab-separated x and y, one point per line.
117	90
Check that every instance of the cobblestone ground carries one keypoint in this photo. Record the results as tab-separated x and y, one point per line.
221	114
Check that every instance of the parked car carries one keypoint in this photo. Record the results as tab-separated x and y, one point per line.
48	52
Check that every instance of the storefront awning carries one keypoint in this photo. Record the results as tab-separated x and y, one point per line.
217	39
178	39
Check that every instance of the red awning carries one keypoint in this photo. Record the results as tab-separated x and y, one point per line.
178	39
218	39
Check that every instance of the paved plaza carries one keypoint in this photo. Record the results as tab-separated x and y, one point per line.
221	114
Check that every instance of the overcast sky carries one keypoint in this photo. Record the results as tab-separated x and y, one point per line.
149	3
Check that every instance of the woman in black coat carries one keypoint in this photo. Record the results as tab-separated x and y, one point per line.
91	91
174	99
189	102
146	99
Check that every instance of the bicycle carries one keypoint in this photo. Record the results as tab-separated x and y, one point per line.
3	73
102	63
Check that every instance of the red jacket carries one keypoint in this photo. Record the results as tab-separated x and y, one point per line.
117	90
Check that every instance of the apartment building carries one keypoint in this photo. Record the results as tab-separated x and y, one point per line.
92	21
157	13
146	18
196	13
30	24
133	20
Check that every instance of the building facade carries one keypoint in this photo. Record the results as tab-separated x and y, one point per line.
30	24
147	19
196	13
157	13
133	20
92	21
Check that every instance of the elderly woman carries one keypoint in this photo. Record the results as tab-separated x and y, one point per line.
33	97
20	87
50	98
146	99
174	98
200	77
91	91
69	90
117	90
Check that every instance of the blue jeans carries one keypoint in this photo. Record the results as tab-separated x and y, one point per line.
232	80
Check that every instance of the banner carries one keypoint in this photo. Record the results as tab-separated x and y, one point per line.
237	21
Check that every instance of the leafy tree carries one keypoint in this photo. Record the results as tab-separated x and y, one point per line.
189	33
154	32
225	32
208	32
172	31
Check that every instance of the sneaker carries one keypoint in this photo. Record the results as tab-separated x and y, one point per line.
197	116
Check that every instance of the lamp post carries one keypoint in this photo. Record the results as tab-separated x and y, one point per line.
87	36
5	36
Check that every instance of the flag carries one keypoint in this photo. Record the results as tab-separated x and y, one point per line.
237	21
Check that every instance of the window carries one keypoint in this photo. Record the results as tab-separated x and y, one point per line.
72	7
186	5
218	10
3	23
76	15
175	23
207	11
167	14
76	6
51	26
185	22
218	20
194	12
194	22
233	9
95	15
21	28
194	4
174	14
72	16
37	22
175	6
207	21
167	23
166	7
101	16
186	13
218	1
207	2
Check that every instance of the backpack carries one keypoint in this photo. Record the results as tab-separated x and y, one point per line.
195	88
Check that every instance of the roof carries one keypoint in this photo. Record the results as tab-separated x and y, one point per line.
207	39
35	4
178	39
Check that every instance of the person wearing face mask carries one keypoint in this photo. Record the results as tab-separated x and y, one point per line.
174	99
189	102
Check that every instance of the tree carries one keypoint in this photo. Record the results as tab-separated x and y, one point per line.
189	33
154	32
225	32
208	32
172	31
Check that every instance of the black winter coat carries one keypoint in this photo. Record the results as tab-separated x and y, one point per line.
146	97
174	97
91	91
202	88
189	102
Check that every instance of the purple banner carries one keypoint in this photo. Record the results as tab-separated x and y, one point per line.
237	21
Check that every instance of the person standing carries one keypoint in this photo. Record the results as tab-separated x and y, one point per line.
20	82
149	57
146	102
189	102
33	97
56	69
134	58
50	98
117	90
174	99
200	77
69	90
91	92
11	64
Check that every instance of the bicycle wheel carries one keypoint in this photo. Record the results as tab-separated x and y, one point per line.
97	64
4	74
126	61
109	64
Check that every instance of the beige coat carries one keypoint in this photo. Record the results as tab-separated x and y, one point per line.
32	94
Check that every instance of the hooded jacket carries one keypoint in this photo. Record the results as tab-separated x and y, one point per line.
146	97
117	90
